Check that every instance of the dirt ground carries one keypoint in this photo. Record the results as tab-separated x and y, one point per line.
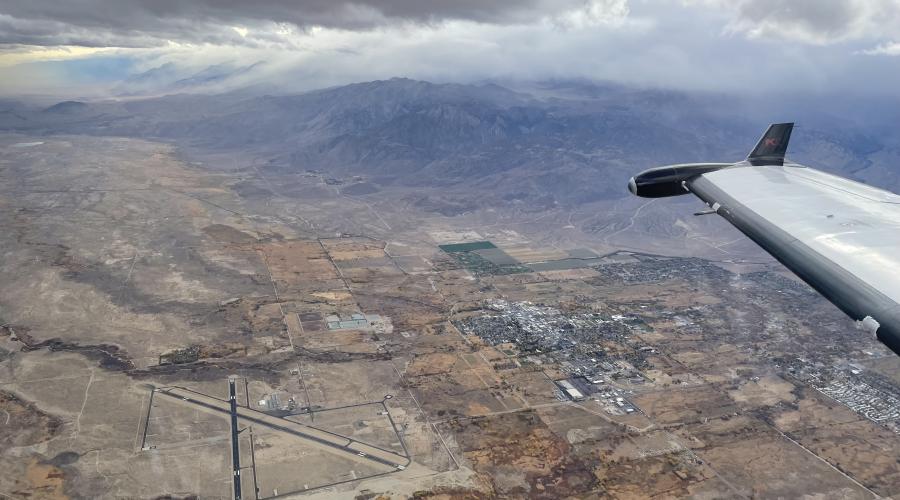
127	268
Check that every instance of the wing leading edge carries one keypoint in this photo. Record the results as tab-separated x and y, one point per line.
839	236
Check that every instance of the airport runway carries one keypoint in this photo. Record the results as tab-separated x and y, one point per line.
330	441
235	450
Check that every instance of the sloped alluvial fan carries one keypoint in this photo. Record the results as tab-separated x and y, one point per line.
559	142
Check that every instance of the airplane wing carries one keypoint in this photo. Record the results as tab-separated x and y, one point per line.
839	236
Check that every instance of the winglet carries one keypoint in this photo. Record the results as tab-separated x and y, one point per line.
772	146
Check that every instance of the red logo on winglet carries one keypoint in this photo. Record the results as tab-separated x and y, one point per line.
771	142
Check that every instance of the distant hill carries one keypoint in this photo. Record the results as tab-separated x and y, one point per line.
67	107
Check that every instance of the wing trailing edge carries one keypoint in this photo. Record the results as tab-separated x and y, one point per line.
839	236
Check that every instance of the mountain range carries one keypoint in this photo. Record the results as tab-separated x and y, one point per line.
556	142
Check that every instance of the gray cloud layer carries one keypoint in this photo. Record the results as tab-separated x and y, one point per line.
136	23
150	23
812	21
815	45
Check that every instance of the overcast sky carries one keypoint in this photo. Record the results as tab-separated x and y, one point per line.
818	46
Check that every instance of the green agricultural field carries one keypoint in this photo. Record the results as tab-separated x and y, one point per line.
466	254
467	247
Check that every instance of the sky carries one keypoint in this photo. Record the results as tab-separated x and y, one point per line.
98	47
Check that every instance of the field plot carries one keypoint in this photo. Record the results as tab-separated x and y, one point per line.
763	392
521	456
685	405
363	378
867	452
454	385
413	264
349	249
432	364
569	274
251	316
460	393
360	260
299	268
497	256
457	286
467	247
312	321
408	302
533	386
527	254
577	425
345	341
316	305
677	475
483	258
759	462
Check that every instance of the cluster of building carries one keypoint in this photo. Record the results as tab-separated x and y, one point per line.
571	342
859	389
277	403
613	399
540	329
546	335
654	269
871	402
603	360
355	321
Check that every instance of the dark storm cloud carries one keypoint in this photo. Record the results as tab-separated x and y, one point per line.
130	23
150	23
42	32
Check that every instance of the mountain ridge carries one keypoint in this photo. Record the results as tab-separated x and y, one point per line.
569	142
